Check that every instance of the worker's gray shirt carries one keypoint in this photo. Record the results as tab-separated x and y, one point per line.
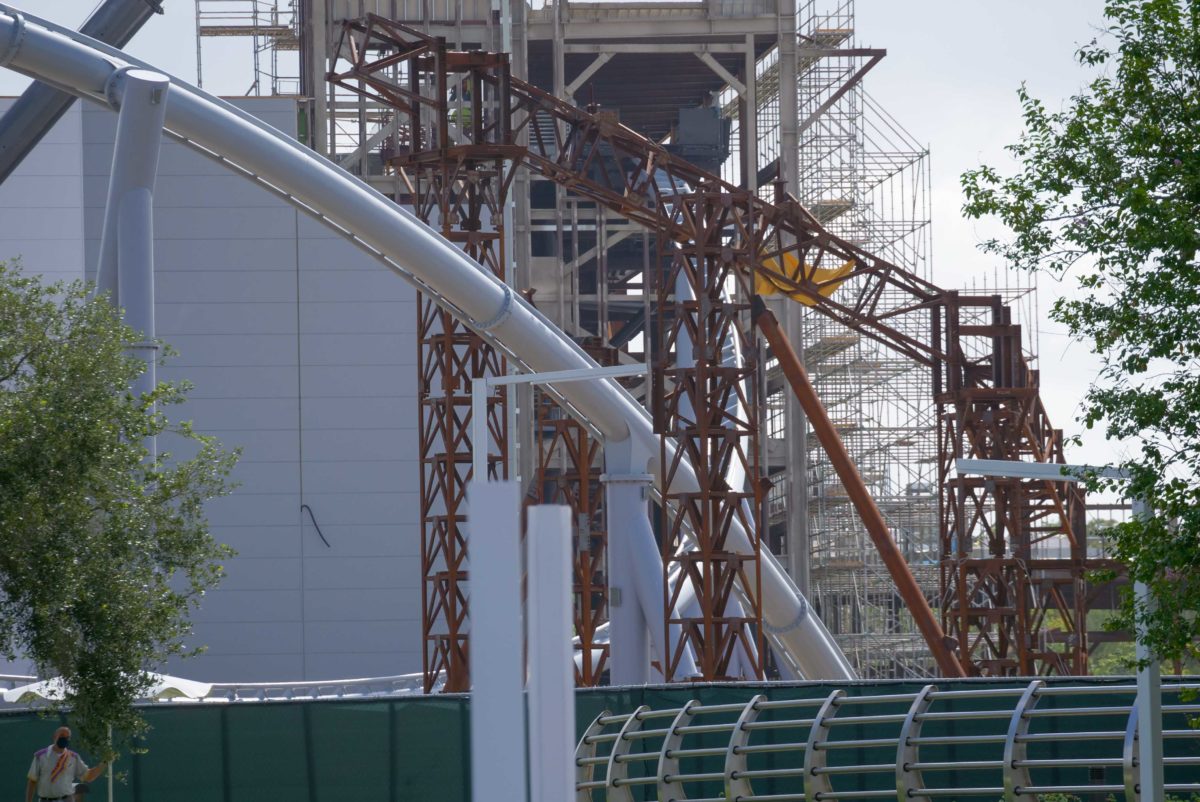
56	772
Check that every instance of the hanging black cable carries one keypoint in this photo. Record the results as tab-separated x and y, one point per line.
317	526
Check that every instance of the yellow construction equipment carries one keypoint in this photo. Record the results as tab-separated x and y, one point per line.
771	281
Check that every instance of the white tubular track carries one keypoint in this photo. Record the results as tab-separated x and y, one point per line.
84	67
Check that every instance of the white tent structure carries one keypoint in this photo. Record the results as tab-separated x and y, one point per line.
163	688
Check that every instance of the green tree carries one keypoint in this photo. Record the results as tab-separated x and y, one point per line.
1107	193
103	550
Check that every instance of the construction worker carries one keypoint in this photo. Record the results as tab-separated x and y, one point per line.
56	769
460	113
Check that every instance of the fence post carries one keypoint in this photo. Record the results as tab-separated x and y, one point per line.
1017	777
497	675
909	779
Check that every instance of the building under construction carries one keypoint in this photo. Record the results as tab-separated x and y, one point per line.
644	176
774	99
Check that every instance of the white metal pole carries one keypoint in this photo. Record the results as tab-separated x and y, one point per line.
551	662
479	431
497	708
1149	701
141	97
628	631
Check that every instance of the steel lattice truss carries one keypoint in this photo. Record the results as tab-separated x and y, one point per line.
708	410
568	473
995	595
461	191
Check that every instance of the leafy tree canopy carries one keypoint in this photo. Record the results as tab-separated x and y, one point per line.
1107	192
103	549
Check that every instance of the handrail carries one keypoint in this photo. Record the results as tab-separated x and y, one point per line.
1010	763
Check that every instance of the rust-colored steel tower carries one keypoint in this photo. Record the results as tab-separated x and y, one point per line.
707	410
994	607
450	152
569	459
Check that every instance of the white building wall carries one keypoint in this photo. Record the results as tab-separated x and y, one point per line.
301	352
41	207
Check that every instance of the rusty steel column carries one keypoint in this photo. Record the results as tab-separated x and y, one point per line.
567	473
1013	608
708	413
860	497
451	151
449	356
459	189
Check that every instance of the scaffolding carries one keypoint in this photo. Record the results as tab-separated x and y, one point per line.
581	258
272	28
865	178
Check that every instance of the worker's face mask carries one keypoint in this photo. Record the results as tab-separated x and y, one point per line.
63	742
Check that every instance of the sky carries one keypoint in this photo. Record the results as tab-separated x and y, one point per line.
950	77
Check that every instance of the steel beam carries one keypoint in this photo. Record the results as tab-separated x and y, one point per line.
40	106
860	497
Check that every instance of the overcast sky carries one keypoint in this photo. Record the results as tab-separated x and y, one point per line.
950	78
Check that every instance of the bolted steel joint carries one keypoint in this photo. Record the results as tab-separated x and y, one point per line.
10	45
117	84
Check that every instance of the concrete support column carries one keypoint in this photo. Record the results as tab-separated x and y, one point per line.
799	548
551	662
789	138
141	97
321	89
790	314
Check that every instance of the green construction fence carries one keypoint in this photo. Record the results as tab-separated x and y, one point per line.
416	749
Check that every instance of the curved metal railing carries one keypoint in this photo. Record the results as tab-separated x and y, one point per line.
1011	743
10	681
366	687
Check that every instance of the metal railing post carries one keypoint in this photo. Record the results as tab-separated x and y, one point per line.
909	779
1017	777
668	764
736	786
816	783
585	750
618	769
1129	757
